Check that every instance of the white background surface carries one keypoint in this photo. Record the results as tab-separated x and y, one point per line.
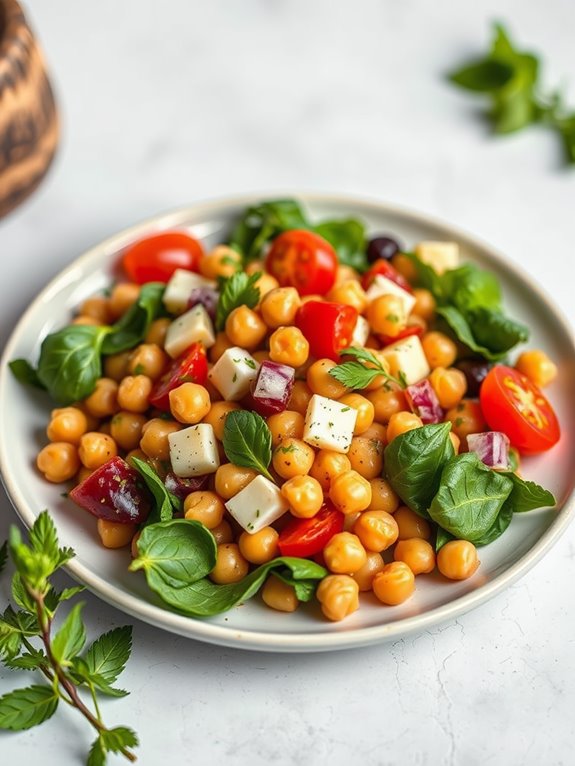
164	104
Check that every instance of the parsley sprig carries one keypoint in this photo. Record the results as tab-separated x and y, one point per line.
356	374
29	641
237	290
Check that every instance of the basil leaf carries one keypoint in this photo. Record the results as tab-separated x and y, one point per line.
483	76
460	326
247	441
263	222
498	527
442	536
427	277
165	503
492	329
528	495
25	373
469	498
347	237
176	552
131	329
413	464
24	708
237	290
468	287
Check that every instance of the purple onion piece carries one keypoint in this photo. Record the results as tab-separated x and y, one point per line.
492	447
424	402
272	388
181	487
207	296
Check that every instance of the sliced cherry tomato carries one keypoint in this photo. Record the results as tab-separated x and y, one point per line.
387	340
328	327
304	260
385	268
191	367
512	404
155	259
307	537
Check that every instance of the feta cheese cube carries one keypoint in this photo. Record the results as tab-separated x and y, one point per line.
258	505
441	256
192	327
179	288
407	357
360	332
233	373
194	451
383	286
329	424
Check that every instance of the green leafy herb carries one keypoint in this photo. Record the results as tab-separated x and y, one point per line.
29	641
237	290
3	555
131	329
496	331
463	332
442	537
165	503
356	375
498	527
247	441
528	495
25	373
348	239
261	223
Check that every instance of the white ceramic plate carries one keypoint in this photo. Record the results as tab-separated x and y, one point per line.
23	415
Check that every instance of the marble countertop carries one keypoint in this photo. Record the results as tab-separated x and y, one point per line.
165	104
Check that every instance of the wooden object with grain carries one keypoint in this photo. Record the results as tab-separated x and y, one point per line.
28	117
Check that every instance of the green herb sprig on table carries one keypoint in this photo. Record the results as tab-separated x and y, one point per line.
29	640
510	78
355	374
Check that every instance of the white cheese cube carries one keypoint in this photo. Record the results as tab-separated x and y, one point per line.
192	327
407	357
179	288
441	256
258	505
194	451
233	373
329	424
383	286
360	332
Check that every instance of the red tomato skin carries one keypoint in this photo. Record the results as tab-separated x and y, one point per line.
535	432
387	340
328	327
304	260
385	268
308	537
155	258
190	367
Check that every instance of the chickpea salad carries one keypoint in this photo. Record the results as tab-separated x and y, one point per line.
307	411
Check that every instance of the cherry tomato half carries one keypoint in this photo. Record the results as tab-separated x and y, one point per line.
512	404
385	268
307	537
155	259
191	367
328	327
304	260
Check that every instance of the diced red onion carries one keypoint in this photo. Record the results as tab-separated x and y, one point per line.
181	487
492	447
207	296
271	389
424	402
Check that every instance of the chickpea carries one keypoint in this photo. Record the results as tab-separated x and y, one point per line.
377	530
278	595
154	441
380	381
245	328
157	331
230	566
387	403
439	350
366	457
148	359
386	315
345	273
254	266
265	284
283	425
67	425
300	397
231	479
205	507
260	547
288	345
383	498
133	393
321	382
418	554
377	432
293	457
97	308
115	535
103	401
350	492
466	418
189	403
136	453
457	559
410	524
449	385
351	293
58	461
122	297
220	347
327	465
126	429
216	416
394	584
364	576
405	266
96	449
222	261
365	411
402	422
279	307
223	533
116	365
424	304
83	474
84	320
344	553
338	596
304	495
537	367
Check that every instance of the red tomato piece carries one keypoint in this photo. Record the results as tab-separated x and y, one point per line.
191	367
308	537
512	404
154	259
328	327
387	340
385	268
304	260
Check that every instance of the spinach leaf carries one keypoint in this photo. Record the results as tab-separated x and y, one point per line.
527	495
70	362
462	330
468	287
348	240
165	503
492	329
25	373
263	222
498	527
414	462
247	441
131	329
469	498
238	290
442	536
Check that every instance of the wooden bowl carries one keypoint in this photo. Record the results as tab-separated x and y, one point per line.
28	117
